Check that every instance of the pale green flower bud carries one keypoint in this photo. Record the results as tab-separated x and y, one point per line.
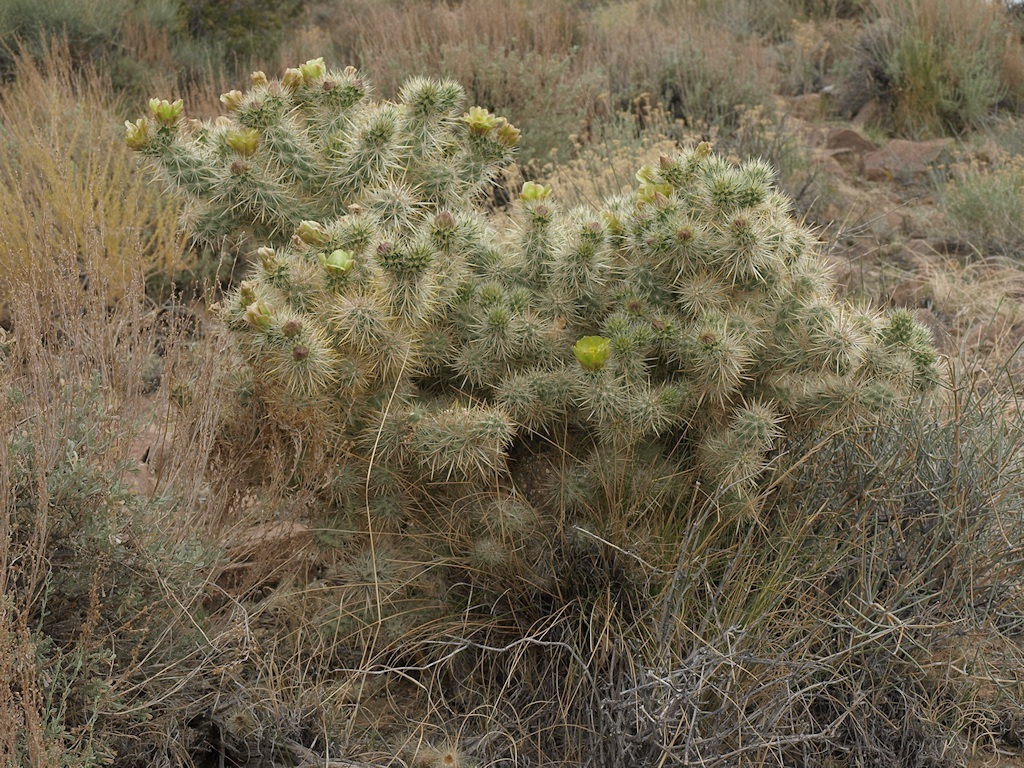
166	112
508	135
232	100
532	192
480	121
268	258
259	314
312	233
651	191
243	140
337	262
292	78
654	193
247	292
646	174
592	352
313	69
611	221
137	135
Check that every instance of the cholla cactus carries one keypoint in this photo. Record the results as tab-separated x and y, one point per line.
691	319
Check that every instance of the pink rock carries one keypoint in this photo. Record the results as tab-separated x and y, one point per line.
849	140
904	161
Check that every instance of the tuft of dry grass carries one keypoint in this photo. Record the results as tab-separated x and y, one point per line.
69	185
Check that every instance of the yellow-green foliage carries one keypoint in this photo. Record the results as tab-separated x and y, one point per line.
67	186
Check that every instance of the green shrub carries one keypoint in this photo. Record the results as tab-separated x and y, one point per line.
92	29
984	205
493	411
86	593
774	20
935	67
100	592
243	30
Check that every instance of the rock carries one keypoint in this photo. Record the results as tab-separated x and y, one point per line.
849	140
989	336
913	292
848	148
922	249
885	227
904	161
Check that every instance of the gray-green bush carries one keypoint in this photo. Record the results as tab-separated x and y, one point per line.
492	409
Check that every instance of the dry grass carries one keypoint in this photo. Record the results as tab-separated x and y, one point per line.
556	69
97	594
69	185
